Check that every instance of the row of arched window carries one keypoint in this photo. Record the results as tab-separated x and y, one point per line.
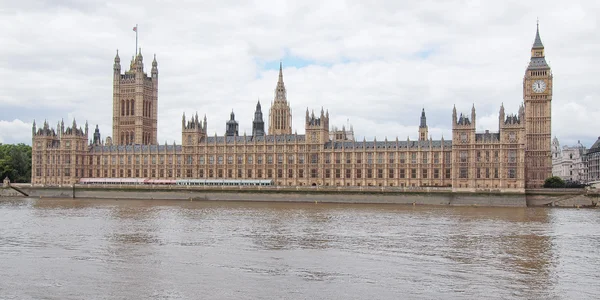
128	138
128	108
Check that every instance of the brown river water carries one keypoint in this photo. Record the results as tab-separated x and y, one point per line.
126	249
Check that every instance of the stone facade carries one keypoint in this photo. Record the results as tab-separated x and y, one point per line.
488	160
325	156
593	162
569	163
135	103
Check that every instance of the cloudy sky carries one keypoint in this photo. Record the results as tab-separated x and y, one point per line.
374	64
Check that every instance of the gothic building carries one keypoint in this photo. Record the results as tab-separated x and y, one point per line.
515	157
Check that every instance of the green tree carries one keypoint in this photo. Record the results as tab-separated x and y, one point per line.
554	182
15	162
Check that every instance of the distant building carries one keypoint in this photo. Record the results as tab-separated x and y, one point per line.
593	162
569	163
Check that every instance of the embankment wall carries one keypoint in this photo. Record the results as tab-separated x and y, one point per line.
417	198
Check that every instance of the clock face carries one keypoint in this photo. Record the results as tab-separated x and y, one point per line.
539	86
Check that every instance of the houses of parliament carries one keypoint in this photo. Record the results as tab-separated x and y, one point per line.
515	157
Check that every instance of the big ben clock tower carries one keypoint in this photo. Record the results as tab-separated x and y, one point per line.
537	95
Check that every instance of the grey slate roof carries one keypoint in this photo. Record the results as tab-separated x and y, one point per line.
538	63
537	44
595	147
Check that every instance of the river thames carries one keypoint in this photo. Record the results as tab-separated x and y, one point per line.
126	249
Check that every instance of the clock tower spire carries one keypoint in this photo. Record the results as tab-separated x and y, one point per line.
537	96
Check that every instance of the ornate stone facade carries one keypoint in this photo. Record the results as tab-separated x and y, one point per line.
569	163
135	103
506	160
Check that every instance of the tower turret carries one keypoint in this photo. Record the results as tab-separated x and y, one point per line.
423	129
258	125
154	67
97	140
317	129
117	64
231	127
135	103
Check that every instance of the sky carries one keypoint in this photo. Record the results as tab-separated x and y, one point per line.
374	64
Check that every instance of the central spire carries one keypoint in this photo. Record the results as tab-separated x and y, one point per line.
280	114
280	92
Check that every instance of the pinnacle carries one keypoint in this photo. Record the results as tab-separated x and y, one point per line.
538	41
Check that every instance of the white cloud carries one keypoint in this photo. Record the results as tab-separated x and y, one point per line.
376	65
15	131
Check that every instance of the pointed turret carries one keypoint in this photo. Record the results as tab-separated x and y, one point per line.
97	139
473	115
117	65
423	119
423	129
154	71
537	43
231	127
454	118
538	60
258	125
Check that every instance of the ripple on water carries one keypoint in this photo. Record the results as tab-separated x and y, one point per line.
180	250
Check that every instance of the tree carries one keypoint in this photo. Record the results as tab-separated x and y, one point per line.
554	182
15	162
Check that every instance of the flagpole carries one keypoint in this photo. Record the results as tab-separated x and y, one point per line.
136	39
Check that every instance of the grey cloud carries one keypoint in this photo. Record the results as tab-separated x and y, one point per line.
367	60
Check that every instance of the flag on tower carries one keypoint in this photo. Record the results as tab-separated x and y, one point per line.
135	28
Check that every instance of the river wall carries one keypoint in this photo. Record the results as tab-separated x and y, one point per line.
8	192
273	195
433	196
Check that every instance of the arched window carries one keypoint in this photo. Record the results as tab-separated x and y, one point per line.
131	138
122	107
132	106
127	107
123	135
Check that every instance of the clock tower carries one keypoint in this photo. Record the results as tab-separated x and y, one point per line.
537	95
